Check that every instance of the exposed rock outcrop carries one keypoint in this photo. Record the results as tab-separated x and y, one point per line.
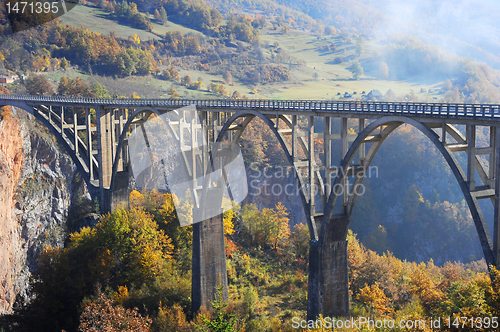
11	162
35	194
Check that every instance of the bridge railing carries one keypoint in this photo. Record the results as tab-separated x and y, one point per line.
489	111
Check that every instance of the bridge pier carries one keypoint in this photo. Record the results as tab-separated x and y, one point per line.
328	280
105	145
120	192
209	262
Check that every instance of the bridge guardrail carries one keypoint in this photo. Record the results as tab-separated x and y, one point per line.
483	111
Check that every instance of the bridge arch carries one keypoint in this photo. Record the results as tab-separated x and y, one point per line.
336	230
248	117
35	112
147	111
22	105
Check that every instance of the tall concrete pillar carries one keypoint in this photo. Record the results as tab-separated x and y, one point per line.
120	193
495	160
104	156
106	146
328	280
209	262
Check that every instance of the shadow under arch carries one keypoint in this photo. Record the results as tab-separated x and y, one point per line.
336	229
249	116
114	201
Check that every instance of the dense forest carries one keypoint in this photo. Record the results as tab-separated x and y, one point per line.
133	269
54	46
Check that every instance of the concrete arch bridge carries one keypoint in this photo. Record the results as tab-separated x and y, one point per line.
95	133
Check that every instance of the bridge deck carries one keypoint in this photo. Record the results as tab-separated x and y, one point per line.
476	112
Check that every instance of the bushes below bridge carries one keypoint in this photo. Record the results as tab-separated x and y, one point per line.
141	258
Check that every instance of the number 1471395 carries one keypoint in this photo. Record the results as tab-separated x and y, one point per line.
472	322
24	7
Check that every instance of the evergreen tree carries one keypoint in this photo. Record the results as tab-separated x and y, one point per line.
163	15
64	64
157	15
222	321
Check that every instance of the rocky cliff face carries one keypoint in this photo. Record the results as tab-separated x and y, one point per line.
11	161
35	194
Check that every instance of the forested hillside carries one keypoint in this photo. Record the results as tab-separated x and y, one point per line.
411	197
468	29
426	202
140	258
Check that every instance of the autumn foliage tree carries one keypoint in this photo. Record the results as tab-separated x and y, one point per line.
241	27
299	241
219	89
178	44
170	74
104	315
186	80
164	209
266	228
422	285
172	319
173	93
38	85
374	298
259	145
131	14
125	248
5	111
74	87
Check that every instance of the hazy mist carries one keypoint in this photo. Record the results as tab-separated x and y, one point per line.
467	28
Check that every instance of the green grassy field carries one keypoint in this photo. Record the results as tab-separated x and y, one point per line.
331	80
71	73
102	22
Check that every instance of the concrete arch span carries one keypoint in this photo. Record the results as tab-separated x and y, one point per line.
335	229
328	271
80	164
118	190
247	117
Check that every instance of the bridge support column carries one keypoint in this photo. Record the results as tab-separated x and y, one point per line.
105	155
209	262
328	280
120	193
496	206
